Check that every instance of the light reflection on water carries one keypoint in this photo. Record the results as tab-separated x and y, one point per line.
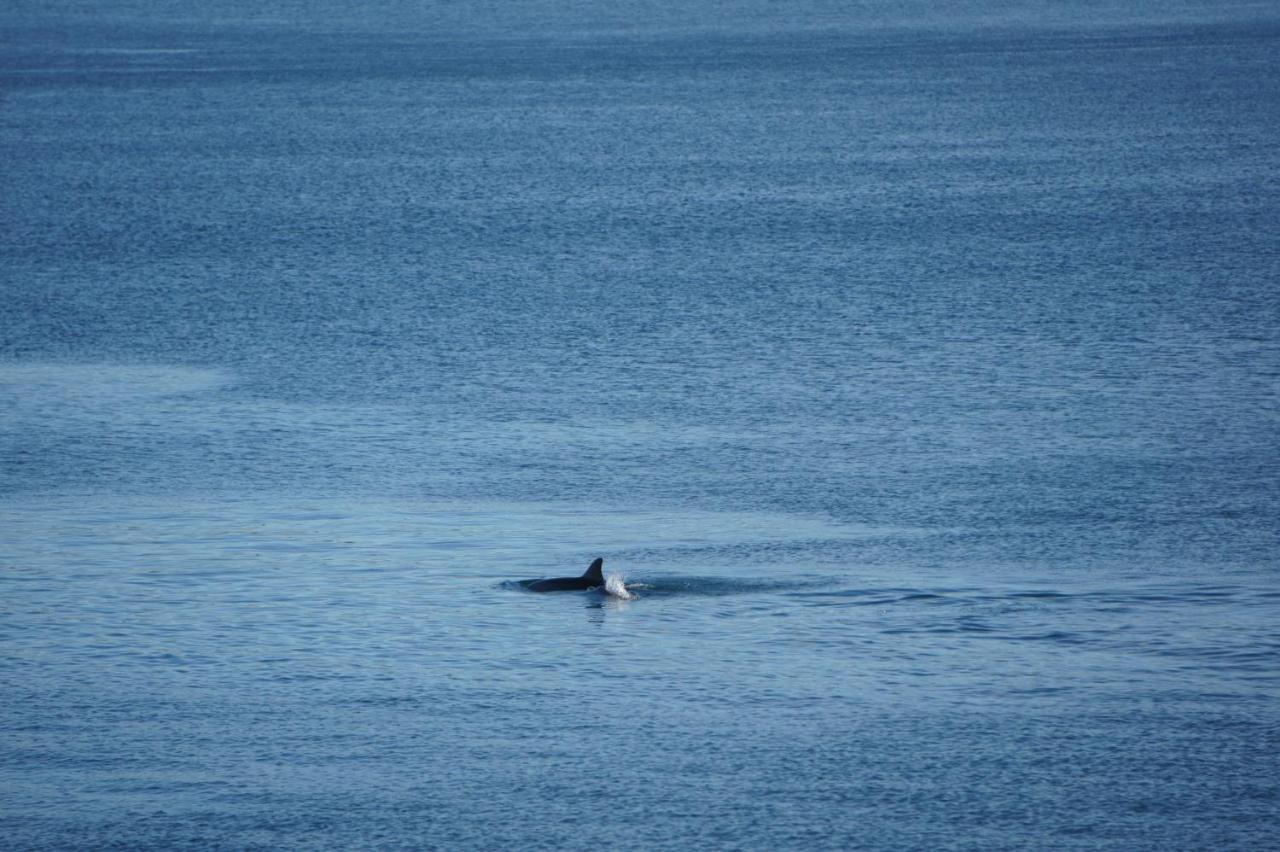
223	659
915	370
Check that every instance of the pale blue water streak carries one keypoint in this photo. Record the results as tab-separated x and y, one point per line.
916	370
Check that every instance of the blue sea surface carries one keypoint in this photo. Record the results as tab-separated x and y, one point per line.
915	368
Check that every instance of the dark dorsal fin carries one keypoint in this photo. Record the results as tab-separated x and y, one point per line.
595	572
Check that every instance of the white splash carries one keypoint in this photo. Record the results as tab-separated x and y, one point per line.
614	585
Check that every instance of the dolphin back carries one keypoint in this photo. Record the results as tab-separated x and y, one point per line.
594	578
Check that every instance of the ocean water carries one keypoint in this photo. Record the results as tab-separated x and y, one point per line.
916	372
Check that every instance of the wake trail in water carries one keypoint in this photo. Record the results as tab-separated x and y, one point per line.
715	586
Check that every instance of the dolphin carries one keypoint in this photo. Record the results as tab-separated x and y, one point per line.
593	579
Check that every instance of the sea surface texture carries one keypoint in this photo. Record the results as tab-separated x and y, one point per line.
915	366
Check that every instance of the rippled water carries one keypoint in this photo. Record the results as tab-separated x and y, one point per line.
915	372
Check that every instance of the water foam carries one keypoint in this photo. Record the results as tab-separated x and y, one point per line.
614	585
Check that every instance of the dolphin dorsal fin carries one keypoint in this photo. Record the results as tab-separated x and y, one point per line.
595	572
